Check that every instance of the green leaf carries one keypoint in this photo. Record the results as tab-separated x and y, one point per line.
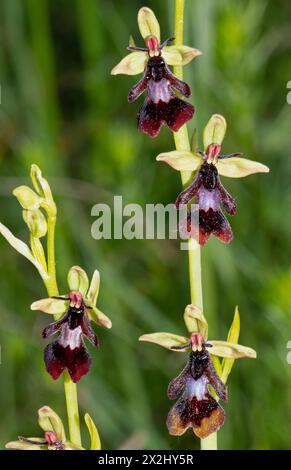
233	336
23	249
217	365
94	435
93	291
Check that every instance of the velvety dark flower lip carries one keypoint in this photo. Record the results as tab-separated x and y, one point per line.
162	105
196	407
69	351
210	195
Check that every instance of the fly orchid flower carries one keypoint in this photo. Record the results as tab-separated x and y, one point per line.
54	437
197	406
75	311
161	105
206	186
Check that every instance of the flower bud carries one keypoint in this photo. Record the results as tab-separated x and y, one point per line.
43	188
27	198
36	222
49	421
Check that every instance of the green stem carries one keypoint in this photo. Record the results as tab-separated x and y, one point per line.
52	286
69	386
194	252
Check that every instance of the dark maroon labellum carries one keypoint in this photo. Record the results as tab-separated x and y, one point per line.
69	351
210	195
162	105
196	407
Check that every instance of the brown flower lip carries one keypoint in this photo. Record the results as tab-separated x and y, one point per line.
162	105
210	195
69	351
196	407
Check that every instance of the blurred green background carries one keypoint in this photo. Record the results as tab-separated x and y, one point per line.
63	110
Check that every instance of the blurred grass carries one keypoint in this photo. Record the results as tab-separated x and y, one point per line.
62	109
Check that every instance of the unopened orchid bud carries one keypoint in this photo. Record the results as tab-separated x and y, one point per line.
27	198
36	222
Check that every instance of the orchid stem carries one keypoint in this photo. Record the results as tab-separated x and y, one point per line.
69	386
194	251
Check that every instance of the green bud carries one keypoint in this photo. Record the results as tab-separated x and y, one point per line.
27	198
36	222
43	188
50	421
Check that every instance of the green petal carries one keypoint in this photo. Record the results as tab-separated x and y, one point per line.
50	421
166	340
181	160
21	445
214	130
148	23
50	306
231	350
179	55
78	280
195	320
132	64
93	291
94	435
22	248
99	317
236	167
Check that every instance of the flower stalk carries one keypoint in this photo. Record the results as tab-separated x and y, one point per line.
40	215
70	388
182	142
